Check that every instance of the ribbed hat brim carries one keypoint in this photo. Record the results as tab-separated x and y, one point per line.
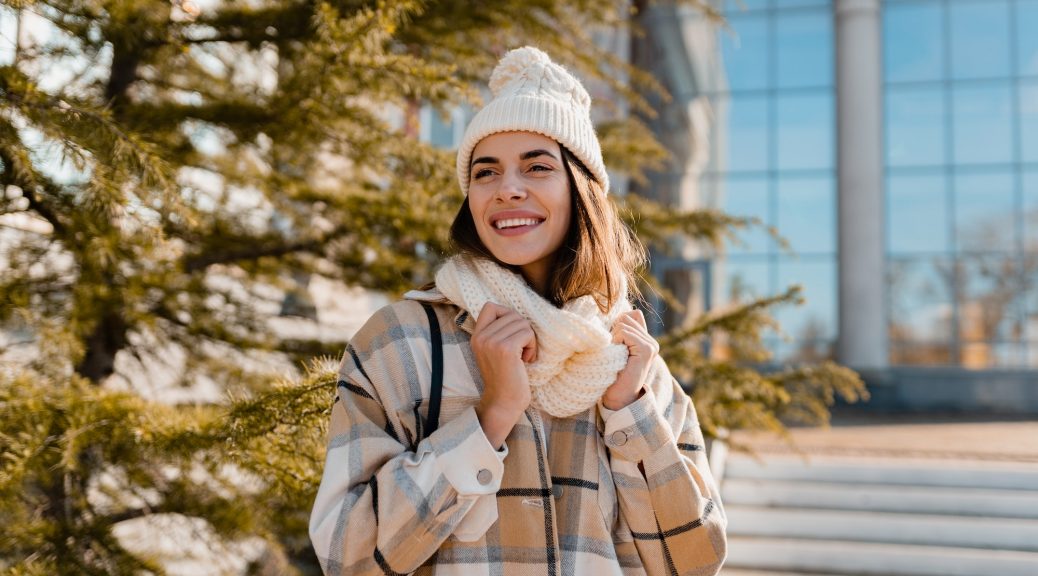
548	117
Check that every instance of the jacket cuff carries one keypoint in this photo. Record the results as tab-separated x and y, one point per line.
465	456
637	430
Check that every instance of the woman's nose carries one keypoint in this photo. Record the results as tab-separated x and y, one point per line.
512	187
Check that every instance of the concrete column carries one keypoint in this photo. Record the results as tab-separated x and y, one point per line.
862	341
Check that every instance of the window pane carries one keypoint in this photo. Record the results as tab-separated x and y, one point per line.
982	124
991	305
980	39
1031	303
816	319
748	197
737	6
981	355
912	40
984	214
1026	39
744	51
744	279
799	3
807	214
1030	189
441	130
1029	121
924	354
747	133
920	300
802	351
805	131
915	127
917	213
804	46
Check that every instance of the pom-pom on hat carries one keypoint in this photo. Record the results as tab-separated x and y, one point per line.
533	94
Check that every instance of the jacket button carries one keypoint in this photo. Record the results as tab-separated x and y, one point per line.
619	438
556	491
484	476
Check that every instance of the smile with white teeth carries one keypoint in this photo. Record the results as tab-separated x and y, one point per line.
514	222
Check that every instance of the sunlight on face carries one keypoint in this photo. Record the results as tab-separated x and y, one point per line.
519	196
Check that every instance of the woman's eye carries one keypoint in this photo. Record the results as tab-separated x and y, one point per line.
540	167
481	173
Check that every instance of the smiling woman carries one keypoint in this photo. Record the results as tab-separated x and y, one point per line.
545	182
566	445
520	201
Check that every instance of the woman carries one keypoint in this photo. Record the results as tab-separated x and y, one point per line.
566	446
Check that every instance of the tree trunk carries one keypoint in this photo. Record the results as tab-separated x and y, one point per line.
106	340
109	335
124	72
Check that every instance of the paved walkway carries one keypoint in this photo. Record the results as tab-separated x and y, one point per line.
945	437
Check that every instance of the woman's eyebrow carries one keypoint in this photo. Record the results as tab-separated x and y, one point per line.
536	153
484	160
523	156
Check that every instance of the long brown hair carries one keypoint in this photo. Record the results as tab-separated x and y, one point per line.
599	249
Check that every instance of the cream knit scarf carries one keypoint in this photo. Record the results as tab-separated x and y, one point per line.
576	359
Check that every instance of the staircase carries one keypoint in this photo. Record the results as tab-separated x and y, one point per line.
831	515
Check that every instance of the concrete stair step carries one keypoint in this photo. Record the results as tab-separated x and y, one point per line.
884	527
867	559
881	498
988	475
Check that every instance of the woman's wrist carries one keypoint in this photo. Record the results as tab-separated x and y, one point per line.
614	402
497	423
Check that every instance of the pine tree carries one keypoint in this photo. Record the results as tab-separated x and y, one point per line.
166	169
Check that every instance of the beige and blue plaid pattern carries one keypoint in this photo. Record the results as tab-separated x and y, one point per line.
628	494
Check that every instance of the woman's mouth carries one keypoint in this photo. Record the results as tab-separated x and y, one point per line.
516	226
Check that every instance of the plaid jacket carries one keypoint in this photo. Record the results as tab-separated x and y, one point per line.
393	501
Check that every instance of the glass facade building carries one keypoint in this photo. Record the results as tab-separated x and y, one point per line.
959	88
773	159
961	91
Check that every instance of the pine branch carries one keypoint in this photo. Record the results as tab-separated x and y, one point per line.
18	170
733	317
80	127
255	249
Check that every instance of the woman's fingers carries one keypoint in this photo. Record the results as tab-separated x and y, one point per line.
504	329
634	335
488	314
518	335
634	318
493	318
492	330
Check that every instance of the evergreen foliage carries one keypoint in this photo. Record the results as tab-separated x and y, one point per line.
168	171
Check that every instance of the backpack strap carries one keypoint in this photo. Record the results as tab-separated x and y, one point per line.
436	392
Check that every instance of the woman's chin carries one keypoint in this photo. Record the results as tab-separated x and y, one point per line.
513	259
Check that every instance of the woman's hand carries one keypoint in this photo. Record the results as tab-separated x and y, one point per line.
502	342
630	329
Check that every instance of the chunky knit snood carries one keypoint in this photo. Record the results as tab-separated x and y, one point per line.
576	359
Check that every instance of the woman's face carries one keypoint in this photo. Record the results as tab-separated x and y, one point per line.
519	196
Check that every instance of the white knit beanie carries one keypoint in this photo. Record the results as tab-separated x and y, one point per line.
534	94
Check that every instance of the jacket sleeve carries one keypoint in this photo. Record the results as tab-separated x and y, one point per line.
666	492
384	509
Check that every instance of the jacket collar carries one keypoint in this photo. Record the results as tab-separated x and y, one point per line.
462	319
